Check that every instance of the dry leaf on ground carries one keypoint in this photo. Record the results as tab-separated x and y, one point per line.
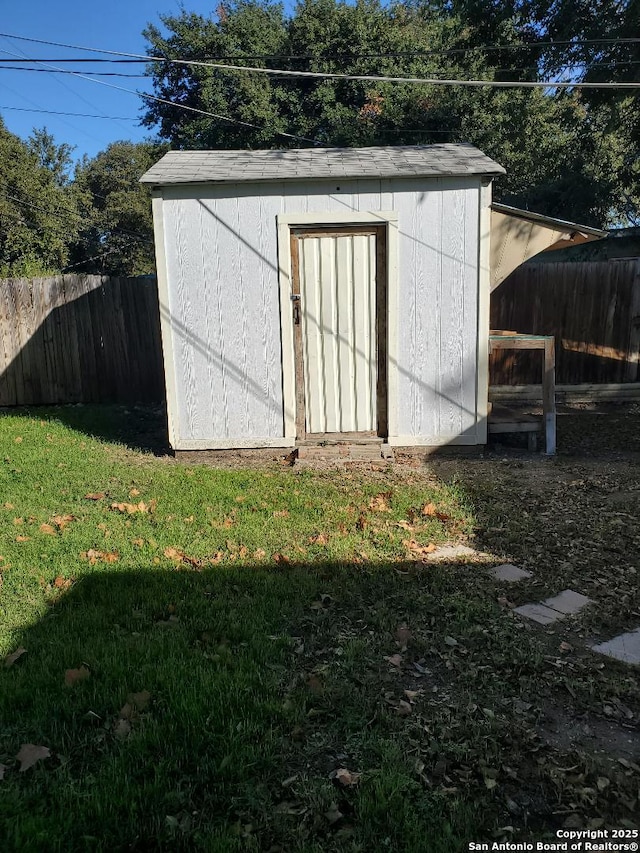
403	635
319	539
281	513
345	777
48	529
62	583
379	503
180	557
14	656
94	556
131	509
394	660
3	768
61	521
418	550
72	676
94	496
22	538
30	754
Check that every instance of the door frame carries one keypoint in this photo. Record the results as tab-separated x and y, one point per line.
288	223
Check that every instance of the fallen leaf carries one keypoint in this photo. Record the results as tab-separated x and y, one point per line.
14	656
30	754
22	538
132	509
418	550
8	505
122	728
94	496
139	543
428	509
404	524
48	529
62	583
61	521
281	513
281	558
18	439
240	499
94	556
602	783
181	557
319	539
403	708
133	493
345	777
565	647
260	554
395	660
72	676
3	768
379	502
18	521
403	635
451	641
361	523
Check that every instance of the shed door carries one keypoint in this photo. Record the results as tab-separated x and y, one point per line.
339	293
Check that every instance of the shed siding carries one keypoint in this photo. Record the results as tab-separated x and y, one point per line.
222	270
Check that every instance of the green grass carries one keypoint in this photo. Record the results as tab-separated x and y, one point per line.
257	608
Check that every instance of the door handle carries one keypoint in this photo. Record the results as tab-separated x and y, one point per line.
295	298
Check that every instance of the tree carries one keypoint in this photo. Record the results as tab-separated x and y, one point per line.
117	237
37	214
564	152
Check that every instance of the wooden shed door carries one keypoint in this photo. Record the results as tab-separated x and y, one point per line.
339	310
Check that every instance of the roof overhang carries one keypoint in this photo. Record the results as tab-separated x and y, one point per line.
517	235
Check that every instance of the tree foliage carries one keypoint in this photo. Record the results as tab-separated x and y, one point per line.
117	233
566	153
37	218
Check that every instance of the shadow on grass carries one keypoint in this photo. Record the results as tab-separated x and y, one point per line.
261	682
140	427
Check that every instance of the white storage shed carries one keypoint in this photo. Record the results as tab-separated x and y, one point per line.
324	294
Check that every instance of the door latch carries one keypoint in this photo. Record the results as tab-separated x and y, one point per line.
295	298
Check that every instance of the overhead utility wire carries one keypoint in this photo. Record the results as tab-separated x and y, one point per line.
125	231
66	71
191	109
61	113
321	75
521	46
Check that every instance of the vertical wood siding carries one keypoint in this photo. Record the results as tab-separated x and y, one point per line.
338	289
225	314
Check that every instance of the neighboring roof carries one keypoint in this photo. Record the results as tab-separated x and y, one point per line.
550	221
517	235
188	167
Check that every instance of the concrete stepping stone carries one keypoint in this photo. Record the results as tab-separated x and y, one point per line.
510	573
625	647
566	603
538	613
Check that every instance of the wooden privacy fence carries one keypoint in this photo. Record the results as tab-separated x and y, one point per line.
592	309
79	339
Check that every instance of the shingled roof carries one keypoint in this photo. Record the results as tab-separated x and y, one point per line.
188	167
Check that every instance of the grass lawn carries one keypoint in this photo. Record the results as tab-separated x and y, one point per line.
262	660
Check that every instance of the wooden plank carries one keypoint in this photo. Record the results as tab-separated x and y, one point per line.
297	339
381	332
549	396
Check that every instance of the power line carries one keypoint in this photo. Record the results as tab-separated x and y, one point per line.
489	47
192	109
30	204
61	113
368	78
65	71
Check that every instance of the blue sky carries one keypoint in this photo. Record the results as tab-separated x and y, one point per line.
115	25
